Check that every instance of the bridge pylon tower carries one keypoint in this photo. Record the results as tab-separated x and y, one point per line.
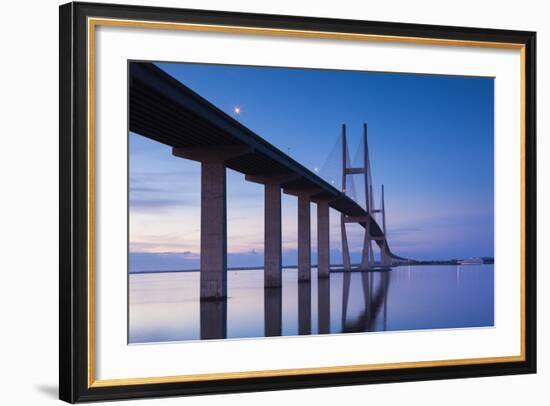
345	247
367	258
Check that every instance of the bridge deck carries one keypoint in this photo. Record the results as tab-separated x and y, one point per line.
165	110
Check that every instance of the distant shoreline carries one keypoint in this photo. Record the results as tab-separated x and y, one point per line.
486	261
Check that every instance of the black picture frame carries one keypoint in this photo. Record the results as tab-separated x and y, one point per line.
74	199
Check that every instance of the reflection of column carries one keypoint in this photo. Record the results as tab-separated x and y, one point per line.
304	308
375	302
367	282
323	304
385	282
273	311
346	279
323	239
371	286
213	319
304	237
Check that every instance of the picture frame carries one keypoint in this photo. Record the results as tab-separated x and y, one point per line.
77	280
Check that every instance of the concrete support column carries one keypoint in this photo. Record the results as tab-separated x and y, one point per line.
213	254
272	235
272	225
213	231
323	239
304	237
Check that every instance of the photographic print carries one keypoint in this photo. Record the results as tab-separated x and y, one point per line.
261	202
272	201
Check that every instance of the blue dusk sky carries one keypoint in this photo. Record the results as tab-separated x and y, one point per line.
430	142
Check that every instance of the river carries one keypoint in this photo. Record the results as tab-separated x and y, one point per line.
166	307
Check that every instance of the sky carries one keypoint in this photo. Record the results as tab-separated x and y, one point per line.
430	142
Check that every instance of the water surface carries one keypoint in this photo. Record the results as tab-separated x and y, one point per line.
166	306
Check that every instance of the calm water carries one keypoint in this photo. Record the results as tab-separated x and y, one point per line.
166	306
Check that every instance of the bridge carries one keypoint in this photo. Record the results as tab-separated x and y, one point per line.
163	109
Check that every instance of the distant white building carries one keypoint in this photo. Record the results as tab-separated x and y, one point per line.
470	261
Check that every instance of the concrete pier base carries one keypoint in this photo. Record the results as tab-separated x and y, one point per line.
323	239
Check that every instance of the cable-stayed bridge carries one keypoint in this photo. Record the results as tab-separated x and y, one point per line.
163	109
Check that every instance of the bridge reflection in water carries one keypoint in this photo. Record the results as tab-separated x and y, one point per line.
167	307
374	287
